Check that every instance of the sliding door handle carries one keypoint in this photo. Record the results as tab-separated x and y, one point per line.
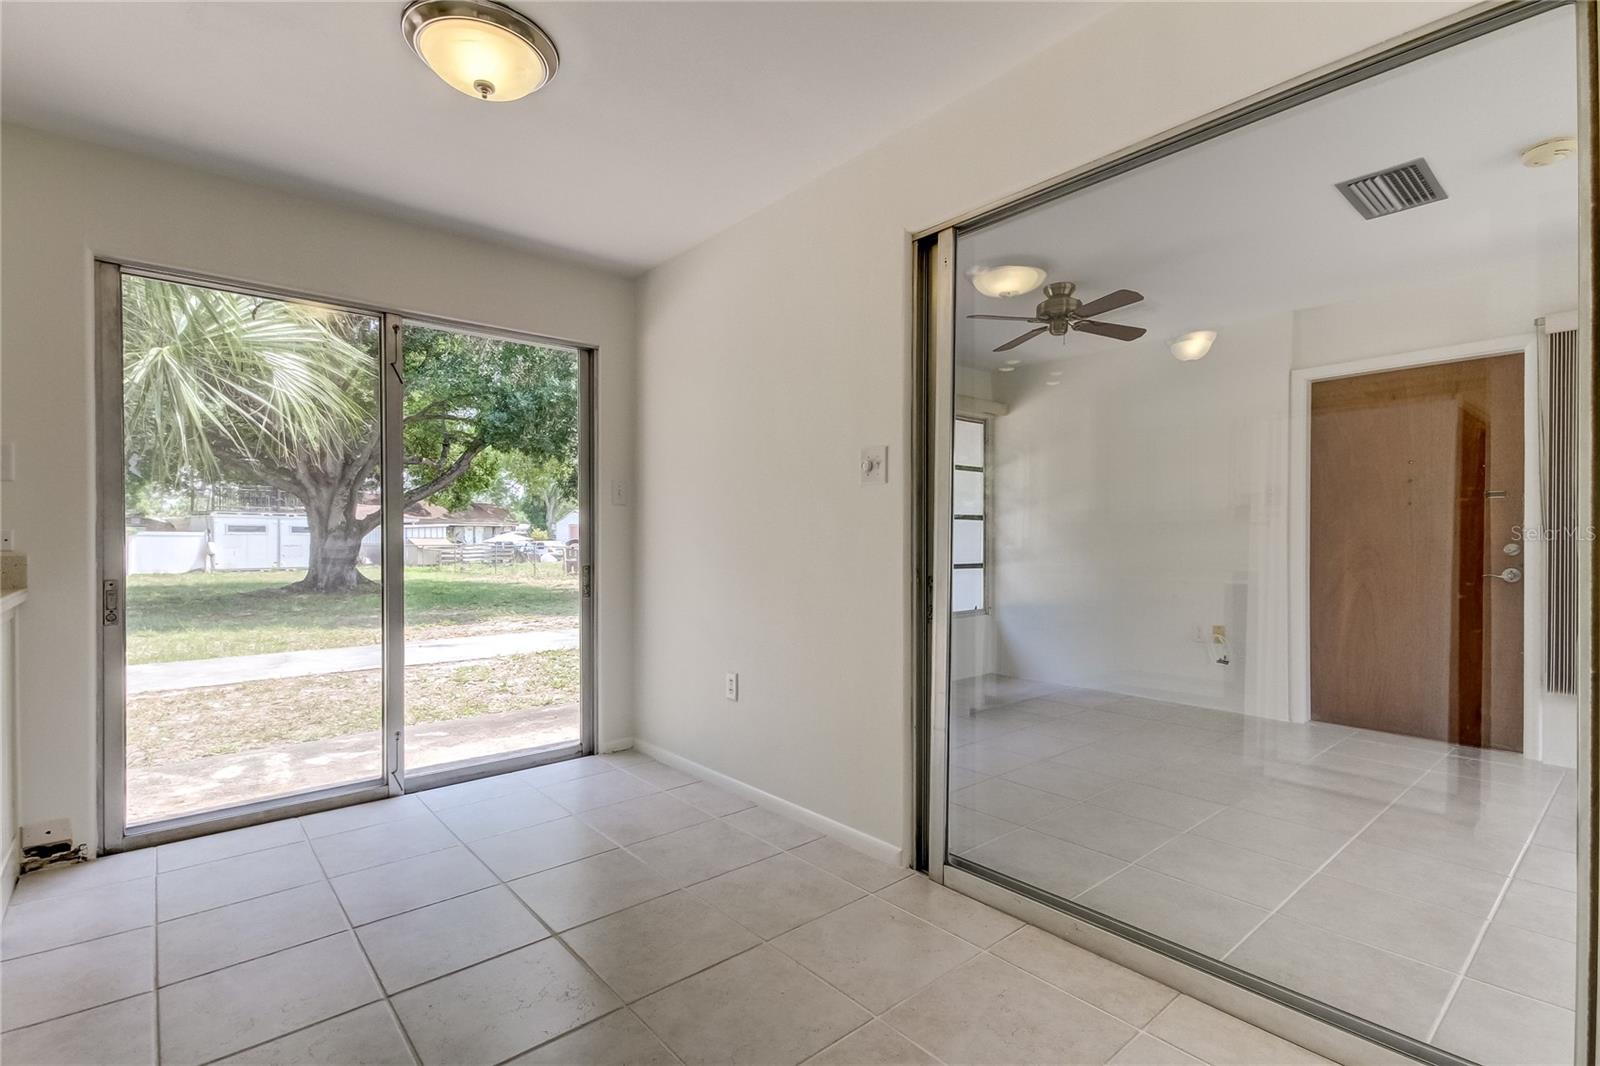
1510	575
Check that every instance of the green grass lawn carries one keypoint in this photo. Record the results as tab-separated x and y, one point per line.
172	617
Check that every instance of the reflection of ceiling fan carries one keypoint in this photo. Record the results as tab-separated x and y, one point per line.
1061	311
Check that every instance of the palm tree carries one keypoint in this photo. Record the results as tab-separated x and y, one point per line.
223	386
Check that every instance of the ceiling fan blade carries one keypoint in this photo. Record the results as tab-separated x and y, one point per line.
1109	302
1028	336
1007	318
1110	329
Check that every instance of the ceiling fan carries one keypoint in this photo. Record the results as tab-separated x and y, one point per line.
1061	311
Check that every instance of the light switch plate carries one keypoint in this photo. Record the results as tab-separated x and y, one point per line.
875	464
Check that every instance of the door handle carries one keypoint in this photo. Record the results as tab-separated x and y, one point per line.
1510	575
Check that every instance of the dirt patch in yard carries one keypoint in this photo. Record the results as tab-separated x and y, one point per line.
167	727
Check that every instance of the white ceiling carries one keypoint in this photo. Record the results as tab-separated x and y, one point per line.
667	123
1250	224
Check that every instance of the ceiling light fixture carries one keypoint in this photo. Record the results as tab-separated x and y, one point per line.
1003	281
1193	345
483	49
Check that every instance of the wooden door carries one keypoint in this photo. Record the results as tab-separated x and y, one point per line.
1416	485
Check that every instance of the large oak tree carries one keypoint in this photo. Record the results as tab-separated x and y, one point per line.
226	389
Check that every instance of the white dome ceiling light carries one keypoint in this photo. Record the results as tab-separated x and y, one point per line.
1193	345
1004	281
482	49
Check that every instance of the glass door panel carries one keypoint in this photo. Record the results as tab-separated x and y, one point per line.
491	532
251	501
1269	655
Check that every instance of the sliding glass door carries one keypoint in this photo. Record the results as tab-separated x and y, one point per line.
1255	550
342	553
492	532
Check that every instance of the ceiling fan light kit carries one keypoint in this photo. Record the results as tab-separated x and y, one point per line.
1193	345
1006	281
1061	312
482	49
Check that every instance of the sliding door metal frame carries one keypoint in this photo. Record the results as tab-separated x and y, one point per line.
110	528
933	251
1588	687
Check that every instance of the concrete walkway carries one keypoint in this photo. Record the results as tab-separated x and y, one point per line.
234	669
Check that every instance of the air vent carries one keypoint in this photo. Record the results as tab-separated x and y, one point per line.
1388	192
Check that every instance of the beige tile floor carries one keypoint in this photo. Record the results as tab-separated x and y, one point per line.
603	910
1425	886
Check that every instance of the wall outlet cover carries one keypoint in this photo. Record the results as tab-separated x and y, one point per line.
730	686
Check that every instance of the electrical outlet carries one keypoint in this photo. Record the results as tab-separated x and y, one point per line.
730	686
619	493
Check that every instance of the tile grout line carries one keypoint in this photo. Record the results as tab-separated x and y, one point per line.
1477	943
155	958
558	937
1273	912
377	980
351	928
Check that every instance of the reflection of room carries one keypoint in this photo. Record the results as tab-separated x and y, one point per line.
1165	708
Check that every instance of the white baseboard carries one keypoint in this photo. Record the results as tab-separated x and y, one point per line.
606	747
11	870
865	843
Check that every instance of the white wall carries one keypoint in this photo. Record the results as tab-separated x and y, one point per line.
1137	502
798	320
63	203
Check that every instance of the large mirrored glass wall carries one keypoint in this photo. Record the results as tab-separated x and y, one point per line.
1263	547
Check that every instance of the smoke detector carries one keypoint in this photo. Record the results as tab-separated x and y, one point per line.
1552	151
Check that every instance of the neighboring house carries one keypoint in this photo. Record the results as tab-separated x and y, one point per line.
281	540
479	522
566	527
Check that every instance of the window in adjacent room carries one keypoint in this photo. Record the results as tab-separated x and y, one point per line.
968	540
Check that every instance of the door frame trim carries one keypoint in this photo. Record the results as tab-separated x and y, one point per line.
1299	554
111	565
